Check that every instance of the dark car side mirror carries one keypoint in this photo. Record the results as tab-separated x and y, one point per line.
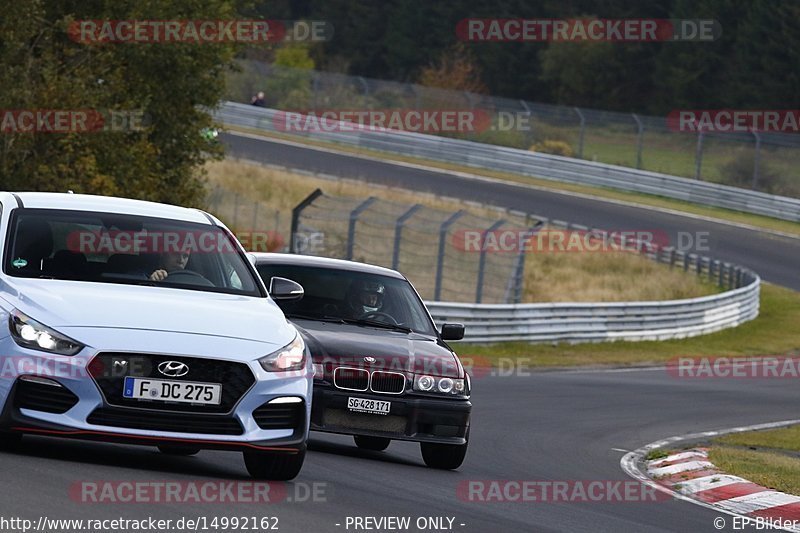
452	332
285	289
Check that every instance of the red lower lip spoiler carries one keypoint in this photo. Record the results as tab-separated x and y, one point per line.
79	432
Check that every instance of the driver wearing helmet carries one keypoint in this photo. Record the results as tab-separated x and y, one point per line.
365	297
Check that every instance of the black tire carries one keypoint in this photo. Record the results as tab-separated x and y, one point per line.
178	449
274	466
444	456
9	441
376	444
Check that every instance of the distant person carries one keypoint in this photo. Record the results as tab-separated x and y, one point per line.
170	262
258	100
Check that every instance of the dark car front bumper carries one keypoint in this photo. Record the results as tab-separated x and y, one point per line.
411	417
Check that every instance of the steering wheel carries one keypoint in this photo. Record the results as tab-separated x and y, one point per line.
189	277
370	314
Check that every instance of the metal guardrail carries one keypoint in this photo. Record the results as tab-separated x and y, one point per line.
570	322
596	322
528	163
632	321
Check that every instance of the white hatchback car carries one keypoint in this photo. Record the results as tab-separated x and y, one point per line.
137	322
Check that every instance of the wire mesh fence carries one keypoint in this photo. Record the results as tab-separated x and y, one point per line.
438	250
427	245
753	160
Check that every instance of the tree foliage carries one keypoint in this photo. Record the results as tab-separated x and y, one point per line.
170	84
755	63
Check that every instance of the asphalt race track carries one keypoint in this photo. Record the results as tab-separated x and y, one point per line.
774	258
548	426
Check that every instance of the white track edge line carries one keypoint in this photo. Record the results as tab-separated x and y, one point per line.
630	461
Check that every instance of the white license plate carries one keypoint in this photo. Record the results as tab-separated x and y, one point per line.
362	405
172	391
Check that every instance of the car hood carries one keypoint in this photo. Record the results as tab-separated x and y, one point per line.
346	344
74	304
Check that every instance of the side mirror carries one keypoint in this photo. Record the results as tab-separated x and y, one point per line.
452	332
285	289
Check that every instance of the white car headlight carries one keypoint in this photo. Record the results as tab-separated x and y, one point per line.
289	358
442	385
29	333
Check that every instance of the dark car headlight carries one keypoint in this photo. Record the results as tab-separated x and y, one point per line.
29	333
289	358
441	385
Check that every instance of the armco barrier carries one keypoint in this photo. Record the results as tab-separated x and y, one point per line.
528	163
597	322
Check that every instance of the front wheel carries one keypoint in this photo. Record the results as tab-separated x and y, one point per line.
376	444
444	456
274	466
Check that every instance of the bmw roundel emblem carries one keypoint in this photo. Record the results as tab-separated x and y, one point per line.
370	359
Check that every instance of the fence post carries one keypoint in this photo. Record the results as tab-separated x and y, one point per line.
698	156
351	227
583	128
437	291
296	218
482	260
516	282
398	231
639	140
756	160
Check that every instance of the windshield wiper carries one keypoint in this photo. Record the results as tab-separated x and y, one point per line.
376	324
315	317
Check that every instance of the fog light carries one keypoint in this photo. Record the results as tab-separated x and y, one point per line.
40	381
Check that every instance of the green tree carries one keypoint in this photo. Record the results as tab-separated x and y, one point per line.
42	68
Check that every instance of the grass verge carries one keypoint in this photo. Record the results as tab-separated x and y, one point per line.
770	469
784	226
549	277
774	332
780	439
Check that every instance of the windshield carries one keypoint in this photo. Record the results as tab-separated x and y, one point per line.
136	250
357	297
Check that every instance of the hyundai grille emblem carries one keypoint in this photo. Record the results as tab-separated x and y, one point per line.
173	369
